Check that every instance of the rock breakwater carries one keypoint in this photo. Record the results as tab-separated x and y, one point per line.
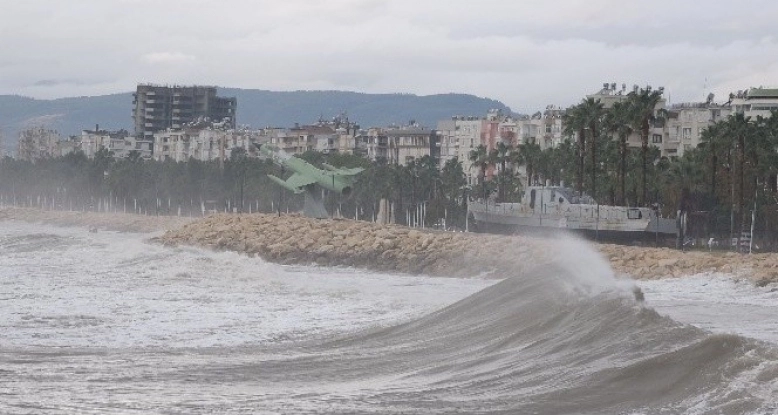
653	263
292	239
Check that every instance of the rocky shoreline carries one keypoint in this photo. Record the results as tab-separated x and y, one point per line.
293	239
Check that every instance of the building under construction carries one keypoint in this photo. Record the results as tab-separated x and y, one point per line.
158	108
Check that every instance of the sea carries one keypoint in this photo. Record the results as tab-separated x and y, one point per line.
112	323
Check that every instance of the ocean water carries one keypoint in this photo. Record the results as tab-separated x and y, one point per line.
106	323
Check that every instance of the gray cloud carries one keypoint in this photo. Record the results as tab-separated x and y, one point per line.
525	53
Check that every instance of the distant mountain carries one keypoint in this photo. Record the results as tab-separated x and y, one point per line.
256	108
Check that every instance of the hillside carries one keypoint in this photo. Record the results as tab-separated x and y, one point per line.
256	108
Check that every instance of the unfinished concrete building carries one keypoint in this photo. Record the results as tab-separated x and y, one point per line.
158	108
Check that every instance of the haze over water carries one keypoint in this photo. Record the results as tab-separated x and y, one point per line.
107	323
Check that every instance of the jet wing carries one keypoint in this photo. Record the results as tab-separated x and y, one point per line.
299	181
296	183
343	172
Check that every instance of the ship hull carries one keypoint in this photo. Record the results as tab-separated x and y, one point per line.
632	237
600	222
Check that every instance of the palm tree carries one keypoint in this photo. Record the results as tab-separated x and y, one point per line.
618	121
643	103
741	128
710	143
502	157
480	157
529	156
574	121
680	177
453	184
593	112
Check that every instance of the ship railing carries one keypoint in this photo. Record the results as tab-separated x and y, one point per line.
507	208
582	212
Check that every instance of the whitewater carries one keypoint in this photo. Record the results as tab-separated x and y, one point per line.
109	323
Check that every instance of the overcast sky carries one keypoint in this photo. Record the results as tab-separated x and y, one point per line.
527	54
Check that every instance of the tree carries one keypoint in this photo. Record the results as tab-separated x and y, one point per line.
453	185
502	157
238	167
529	156
575	122
100	168
618	121
593	112
480	157
643	103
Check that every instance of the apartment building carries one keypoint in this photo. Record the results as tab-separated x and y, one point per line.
467	133
684	125
755	102
543	128
203	144
447	140
38	143
401	145
377	144
300	139
351	141
159	108
459	136
610	95
118	142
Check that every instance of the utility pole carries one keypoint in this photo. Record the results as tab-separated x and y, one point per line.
753	220
221	150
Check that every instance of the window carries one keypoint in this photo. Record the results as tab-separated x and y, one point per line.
656	138
687	133
764	107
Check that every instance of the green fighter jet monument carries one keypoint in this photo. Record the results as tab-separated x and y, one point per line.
310	180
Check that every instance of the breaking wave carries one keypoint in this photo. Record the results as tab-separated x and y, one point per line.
559	338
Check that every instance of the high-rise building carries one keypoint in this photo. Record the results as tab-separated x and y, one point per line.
158	108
